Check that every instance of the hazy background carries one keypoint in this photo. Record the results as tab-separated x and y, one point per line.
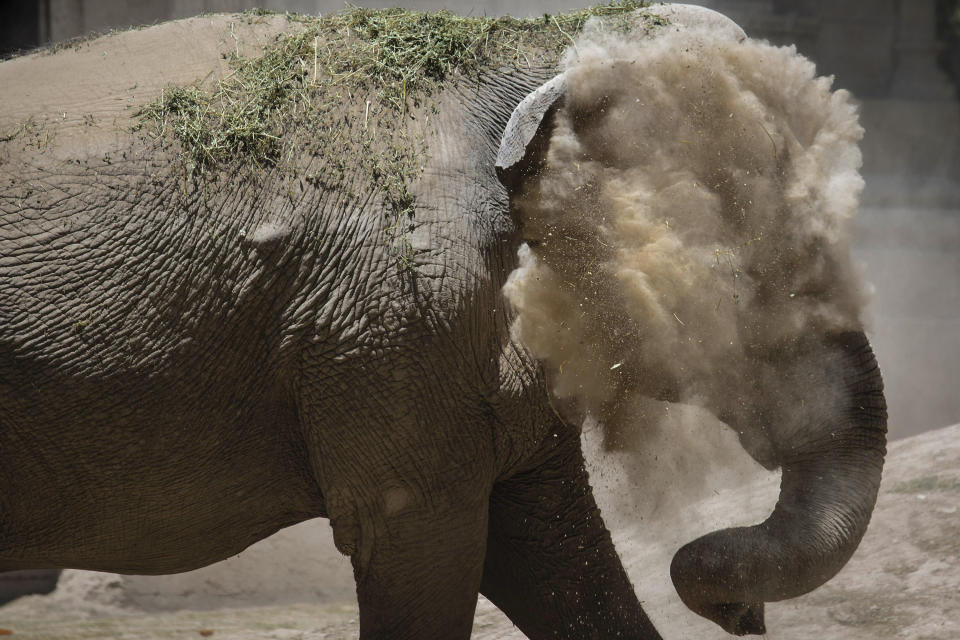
901	58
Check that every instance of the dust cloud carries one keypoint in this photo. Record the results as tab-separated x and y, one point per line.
687	228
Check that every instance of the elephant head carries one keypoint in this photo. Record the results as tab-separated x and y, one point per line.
827	437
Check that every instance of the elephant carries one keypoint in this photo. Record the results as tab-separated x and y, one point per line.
197	350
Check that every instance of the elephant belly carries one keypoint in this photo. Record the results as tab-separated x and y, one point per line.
162	490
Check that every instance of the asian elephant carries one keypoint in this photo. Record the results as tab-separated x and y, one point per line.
197	349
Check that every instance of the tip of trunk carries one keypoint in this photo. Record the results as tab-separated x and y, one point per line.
736	618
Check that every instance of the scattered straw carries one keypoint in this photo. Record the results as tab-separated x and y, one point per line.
387	62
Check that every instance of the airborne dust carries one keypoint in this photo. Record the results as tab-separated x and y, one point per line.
688	226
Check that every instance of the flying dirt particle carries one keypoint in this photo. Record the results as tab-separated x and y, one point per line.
690	223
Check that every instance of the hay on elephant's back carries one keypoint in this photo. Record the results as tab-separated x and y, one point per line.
353	81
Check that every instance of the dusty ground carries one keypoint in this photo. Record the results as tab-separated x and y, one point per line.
902	583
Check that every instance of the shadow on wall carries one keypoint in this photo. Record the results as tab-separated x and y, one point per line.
14	584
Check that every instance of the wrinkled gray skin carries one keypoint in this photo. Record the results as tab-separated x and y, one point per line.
183	374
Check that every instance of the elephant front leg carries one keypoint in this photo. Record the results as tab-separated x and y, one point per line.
551	566
421	575
412	516
417	560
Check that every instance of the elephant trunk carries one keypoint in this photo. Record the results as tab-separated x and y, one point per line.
830	478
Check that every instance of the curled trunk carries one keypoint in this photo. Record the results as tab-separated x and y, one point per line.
830	478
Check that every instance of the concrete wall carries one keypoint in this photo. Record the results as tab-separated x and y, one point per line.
22	26
14	584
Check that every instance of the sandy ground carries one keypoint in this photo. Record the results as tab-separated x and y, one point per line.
902	583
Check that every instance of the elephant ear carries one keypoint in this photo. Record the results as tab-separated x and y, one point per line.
526	134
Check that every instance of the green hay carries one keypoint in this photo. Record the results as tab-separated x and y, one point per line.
350	81
402	54
32	133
